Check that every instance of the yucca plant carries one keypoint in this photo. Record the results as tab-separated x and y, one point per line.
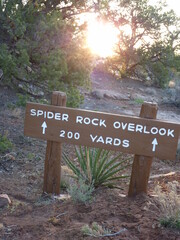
97	166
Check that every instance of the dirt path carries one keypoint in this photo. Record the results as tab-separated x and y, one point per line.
126	96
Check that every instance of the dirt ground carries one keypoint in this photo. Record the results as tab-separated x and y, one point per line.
37	216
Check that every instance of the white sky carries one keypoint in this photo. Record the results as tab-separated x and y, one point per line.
172	4
175	5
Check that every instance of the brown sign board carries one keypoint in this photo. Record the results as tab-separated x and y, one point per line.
127	134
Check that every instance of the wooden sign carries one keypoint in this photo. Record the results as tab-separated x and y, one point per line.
135	135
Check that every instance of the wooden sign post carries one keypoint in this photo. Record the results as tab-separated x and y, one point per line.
52	166
143	136
142	164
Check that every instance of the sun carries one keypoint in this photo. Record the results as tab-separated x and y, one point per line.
101	38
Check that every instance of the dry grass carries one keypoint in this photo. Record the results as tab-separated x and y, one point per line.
66	176
169	205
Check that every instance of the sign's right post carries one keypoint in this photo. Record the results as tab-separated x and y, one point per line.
142	165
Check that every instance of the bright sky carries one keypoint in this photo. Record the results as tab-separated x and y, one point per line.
101	37
172	4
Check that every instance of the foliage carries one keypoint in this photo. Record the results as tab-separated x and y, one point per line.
171	223
41	44
22	100
177	62
169	205
148	36
5	144
160	60
80	191
97	166
74	97
7	62
161	74
139	101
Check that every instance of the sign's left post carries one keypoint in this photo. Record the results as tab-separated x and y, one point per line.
52	166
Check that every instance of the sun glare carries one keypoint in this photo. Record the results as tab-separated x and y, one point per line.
101	38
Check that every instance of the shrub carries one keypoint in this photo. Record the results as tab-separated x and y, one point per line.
161	74
74	97
22	100
80	191
7	63
97	166
169	205
139	101
5	144
42	48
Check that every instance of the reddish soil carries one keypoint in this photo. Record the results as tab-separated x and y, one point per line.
32	215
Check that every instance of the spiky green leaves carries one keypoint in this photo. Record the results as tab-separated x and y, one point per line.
98	166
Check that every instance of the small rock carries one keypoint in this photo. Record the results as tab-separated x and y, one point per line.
109	95
98	94
3	202
172	84
119	96
29	69
122	195
150	91
148	78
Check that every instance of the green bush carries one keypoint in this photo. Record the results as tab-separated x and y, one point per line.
40	47
22	100
74	97
97	166
7	63
5	144
139	101
53	68
161	74
177	63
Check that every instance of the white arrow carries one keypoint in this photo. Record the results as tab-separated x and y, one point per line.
154	143
44	126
